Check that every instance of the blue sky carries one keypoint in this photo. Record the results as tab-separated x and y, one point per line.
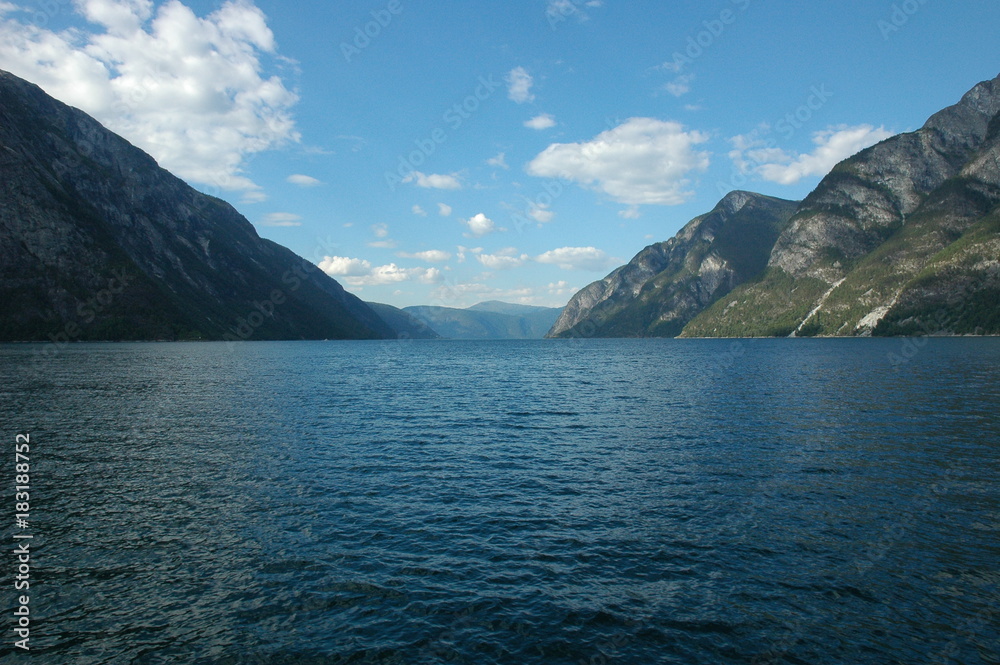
452	152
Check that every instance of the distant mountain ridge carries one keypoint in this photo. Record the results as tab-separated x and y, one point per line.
406	325
487	320
902	238
98	242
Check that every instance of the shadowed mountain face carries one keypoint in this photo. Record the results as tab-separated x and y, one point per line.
98	242
669	283
902	238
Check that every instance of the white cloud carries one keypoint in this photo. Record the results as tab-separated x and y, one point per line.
444	209
641	161
342	266
504	259
281	219
540	212
680	86
253	196
417	210
559	10
498	161
431	256
519	84
632	212
576	258
189	90
463	294
752	154
381	231
543	121
561	288
434	180
359	272
303	180
480	225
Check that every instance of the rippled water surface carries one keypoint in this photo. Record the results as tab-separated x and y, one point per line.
550	502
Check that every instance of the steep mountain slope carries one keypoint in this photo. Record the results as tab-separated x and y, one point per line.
900	238
490	320
669	283
98	242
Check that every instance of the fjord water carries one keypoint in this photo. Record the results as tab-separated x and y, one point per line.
550	501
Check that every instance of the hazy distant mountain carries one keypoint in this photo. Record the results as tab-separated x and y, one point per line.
406	325
98	242
488	320
902	238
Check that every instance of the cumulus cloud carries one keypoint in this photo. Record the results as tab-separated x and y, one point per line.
540	212
543	121
561	288
499	161
189	90
434	180
480	225
444	209
281	219
359	272
753	154
680	86
504	259
303	180
641	161
342	266
430	255
463	294
417	210
519	83
576	258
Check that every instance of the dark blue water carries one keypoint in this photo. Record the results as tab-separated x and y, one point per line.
599	501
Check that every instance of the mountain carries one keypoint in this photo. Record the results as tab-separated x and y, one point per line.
487	320
667	284
902	238
406	325
98	242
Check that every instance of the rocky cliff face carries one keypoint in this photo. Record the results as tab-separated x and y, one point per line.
902	238
98	242
896	239
668	283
